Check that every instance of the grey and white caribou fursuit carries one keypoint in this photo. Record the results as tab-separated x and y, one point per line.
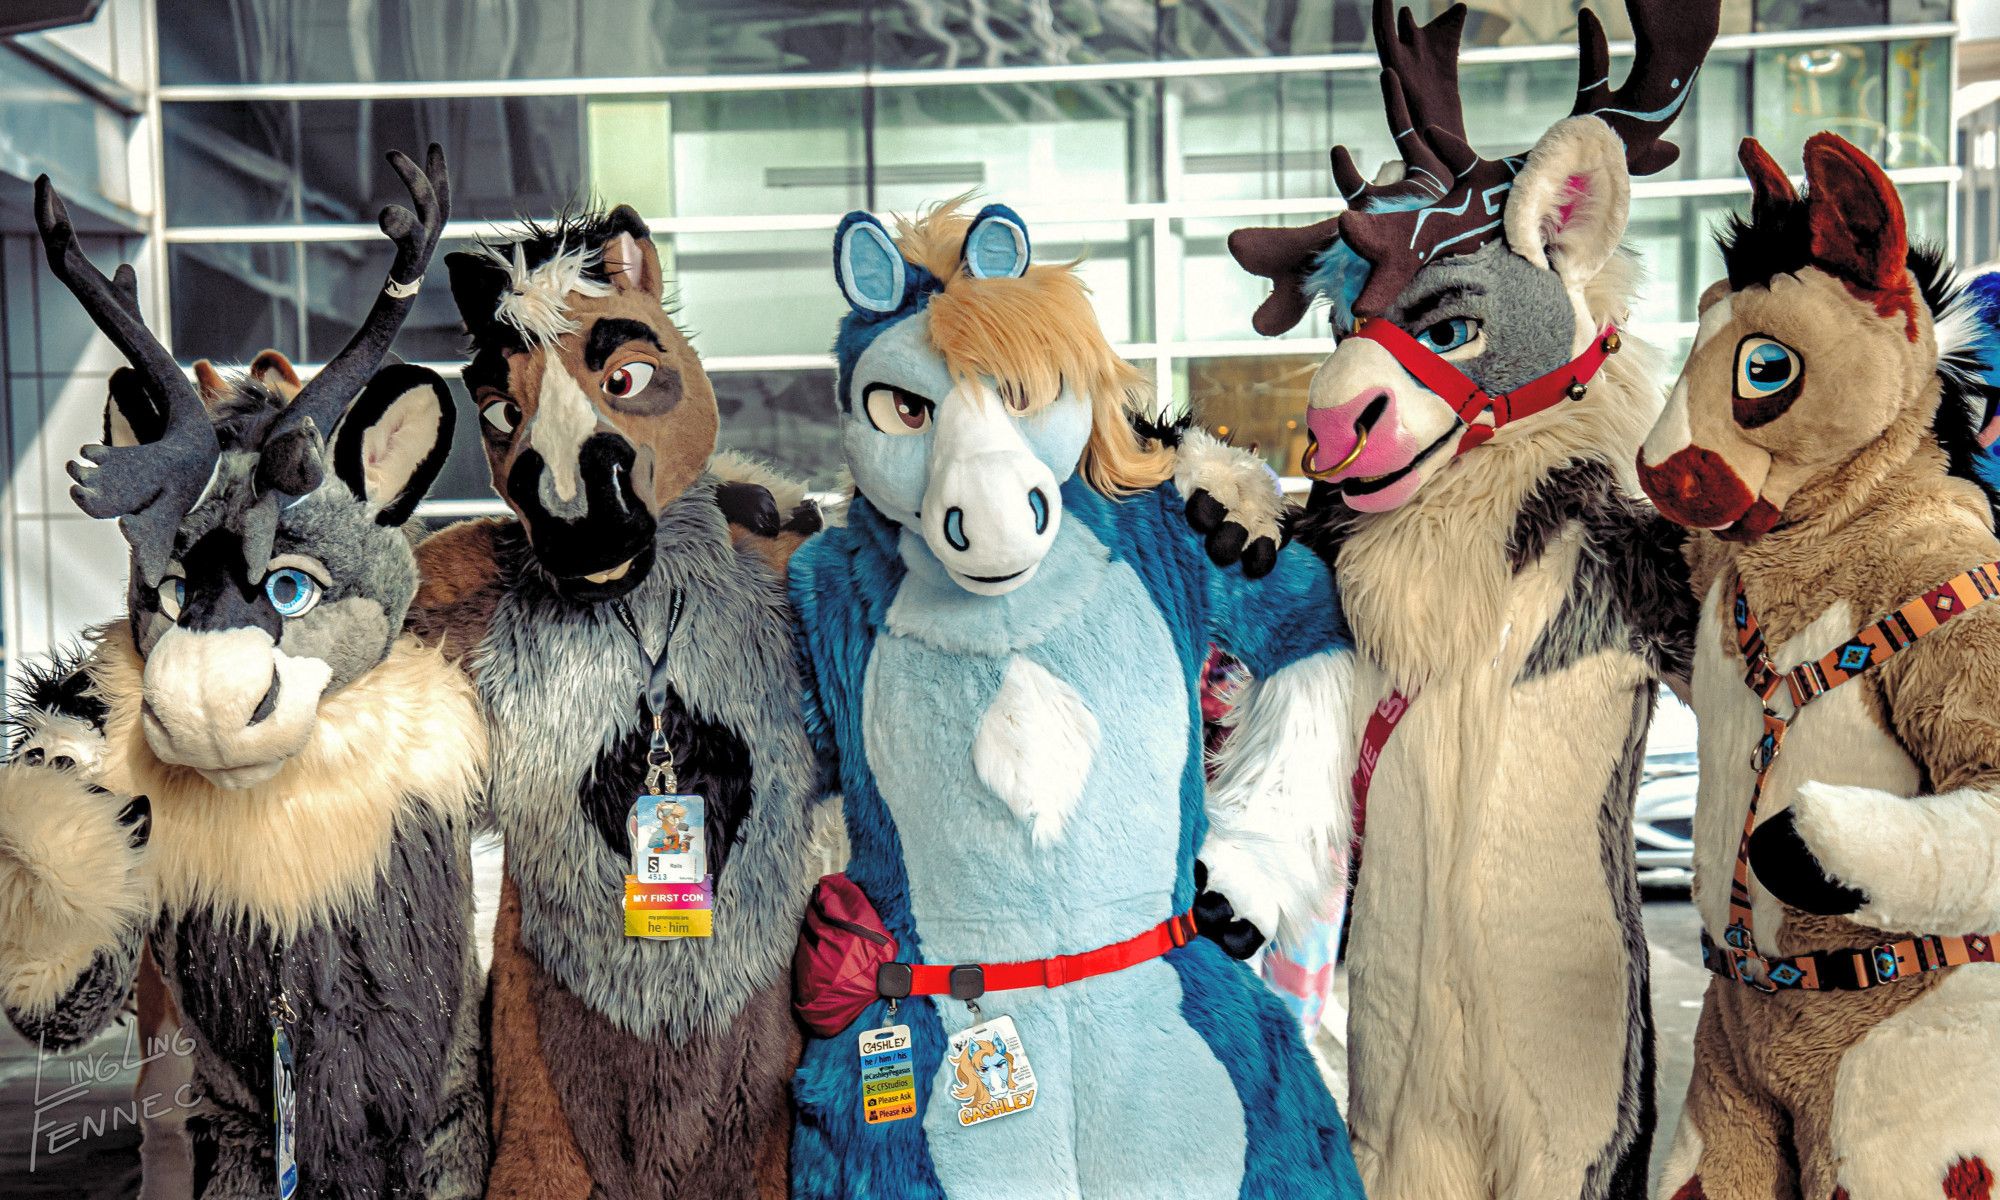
307	772
624	1067
1470	440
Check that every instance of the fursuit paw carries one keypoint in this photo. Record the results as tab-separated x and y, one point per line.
1215	919
1922	864
72	881
1788	868
1234	501
749	506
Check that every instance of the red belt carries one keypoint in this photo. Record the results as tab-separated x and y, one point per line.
967	981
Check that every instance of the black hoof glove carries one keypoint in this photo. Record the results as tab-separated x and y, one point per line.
1785	865
805	519
1215	920
748	506
1228	542
137	818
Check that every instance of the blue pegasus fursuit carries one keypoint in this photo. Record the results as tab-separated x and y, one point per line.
1001	648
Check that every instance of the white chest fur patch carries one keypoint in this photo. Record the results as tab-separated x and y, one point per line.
1035	747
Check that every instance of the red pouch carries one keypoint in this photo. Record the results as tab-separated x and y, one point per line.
841	944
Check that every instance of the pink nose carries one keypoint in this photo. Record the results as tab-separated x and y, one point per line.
1342	433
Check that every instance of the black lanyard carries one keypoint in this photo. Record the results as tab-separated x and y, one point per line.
660	776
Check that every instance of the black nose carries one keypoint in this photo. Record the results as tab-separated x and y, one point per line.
616	524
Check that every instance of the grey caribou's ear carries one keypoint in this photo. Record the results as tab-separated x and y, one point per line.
391	444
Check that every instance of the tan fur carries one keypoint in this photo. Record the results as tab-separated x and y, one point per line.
674	445
70	882
1876	1091
275	371
535	1156
306	845
460	585
1035	335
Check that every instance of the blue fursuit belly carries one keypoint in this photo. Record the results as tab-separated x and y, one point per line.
1032	787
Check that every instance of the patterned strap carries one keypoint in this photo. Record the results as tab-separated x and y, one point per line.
1867	649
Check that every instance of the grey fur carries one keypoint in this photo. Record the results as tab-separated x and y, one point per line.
560	682
1525	311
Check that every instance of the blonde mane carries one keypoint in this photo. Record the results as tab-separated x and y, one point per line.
1033	335
970	1088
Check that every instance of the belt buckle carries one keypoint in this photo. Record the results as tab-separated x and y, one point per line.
968	981
893	980
1752	971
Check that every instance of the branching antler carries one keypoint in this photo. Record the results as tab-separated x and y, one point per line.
416	234
1458	195
148	487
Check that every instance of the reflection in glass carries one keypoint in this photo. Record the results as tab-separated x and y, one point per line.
1892	100
230	302
1217	296
1257	403
784	417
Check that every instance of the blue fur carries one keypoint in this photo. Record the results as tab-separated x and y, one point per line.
1985	293
1339	273
989	256
843	584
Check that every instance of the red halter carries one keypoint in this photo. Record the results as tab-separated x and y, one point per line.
1567	382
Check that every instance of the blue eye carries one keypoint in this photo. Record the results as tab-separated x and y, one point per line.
1448	334
173	597
291	591
1764	366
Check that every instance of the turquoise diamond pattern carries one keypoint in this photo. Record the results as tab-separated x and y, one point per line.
1854	656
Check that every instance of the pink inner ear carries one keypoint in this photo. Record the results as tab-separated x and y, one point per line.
1576	189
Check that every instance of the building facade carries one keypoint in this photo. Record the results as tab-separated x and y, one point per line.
240	162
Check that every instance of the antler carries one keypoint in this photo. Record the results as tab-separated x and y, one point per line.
1670	40
148	487
1448	198
327	396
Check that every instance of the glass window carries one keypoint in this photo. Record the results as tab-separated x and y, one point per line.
230	301
1673	237
785	417
1787	15
949	34
1080	143
311	41
1258	403
743	153
1217	296
754	293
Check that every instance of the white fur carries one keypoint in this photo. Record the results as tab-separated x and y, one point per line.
983	468
1917	1092
1236	478
1587	151
564	417
70	882
1928	863
201	688
59	735
307	843
1280	807
1035	747
393	447
1683	1160
1673	432
537	301
1834	733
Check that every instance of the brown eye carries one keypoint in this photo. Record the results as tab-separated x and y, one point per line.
501	415
895	411
628	380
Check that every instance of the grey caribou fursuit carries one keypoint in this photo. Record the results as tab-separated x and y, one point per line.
1515	606
284	789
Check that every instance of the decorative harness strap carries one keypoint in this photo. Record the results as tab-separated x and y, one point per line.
1567	382
1834	970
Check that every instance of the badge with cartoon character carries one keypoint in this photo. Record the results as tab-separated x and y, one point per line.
667	841
991	1077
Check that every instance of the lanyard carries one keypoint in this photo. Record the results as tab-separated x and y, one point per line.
660	775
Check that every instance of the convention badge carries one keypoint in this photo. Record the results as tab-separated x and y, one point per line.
669	892
888	1075
285	1111
990	1075
669	839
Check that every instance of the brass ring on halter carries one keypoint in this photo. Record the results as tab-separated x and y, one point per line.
1312	450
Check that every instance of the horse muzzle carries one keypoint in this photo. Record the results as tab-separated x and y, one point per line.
597	543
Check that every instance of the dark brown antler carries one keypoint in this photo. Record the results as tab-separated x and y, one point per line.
1670	40
327	396
1462	195
148	487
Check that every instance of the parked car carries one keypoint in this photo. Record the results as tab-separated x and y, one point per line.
1663	817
